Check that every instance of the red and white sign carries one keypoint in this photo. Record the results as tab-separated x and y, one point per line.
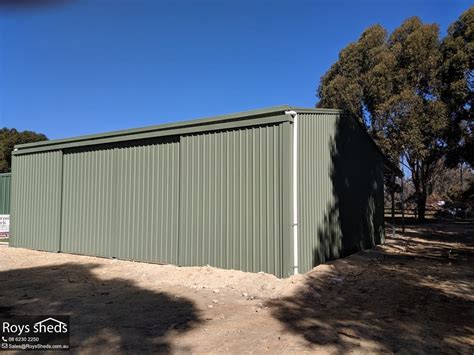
4	225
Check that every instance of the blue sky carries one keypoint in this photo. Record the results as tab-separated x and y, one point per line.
83	66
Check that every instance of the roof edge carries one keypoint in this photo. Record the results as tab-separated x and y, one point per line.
200	122
316	110
161	127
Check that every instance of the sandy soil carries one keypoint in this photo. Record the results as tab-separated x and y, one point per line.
415	294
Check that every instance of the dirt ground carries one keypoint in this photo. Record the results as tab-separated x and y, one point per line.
415	294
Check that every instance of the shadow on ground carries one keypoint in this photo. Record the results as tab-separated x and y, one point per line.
414	295
106	315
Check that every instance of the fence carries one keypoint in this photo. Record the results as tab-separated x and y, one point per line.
430	213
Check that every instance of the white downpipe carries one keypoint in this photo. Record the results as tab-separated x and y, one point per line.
295	190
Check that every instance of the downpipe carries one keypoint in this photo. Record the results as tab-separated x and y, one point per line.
294	223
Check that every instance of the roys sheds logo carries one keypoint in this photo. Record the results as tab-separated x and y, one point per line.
49	332
48	325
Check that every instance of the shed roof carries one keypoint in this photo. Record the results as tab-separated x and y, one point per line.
262	116
255	117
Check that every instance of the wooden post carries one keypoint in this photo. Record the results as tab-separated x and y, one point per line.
393	205
403	204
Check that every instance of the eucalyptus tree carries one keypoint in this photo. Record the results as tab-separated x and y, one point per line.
400	87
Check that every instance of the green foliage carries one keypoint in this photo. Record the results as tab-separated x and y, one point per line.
457	75
345	85
11	137
412	90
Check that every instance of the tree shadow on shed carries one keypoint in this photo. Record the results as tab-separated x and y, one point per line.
354	219
107	315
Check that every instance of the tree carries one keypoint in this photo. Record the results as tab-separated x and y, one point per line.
451	184
11	137
393	85
345	84
457	76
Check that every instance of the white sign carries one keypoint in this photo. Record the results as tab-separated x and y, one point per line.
4	225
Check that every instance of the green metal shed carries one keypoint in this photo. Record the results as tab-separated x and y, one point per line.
279	190
5	182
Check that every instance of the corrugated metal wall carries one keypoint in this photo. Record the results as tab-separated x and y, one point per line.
5	189
148	185
122	202
36	201
230	203
315	195
88	212
221	198
210	198
340	193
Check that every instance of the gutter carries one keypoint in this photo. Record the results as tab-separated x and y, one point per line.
294	223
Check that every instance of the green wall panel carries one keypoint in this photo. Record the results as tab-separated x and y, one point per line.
89	203
340	189
230	199
5	190
36	201
122	202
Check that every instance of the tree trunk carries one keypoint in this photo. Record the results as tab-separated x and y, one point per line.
421	204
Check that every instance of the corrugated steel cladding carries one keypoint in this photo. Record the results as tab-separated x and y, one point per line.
215	191
122	201
230	203
36	201
5	183
340	181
